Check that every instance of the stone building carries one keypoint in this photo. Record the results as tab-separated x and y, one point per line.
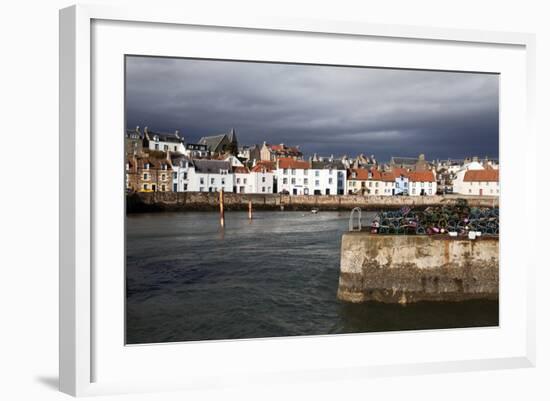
133	142
274	152
147	174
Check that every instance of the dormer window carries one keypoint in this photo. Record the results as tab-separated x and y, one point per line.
146	166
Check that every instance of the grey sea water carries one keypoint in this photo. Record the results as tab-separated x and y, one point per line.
277	275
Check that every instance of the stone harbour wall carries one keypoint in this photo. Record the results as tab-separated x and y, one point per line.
181	201
411	268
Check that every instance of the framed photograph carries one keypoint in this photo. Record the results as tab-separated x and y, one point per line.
280	200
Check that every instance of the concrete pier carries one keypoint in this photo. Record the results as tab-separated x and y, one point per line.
412	268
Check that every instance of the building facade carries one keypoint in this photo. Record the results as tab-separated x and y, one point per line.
422	183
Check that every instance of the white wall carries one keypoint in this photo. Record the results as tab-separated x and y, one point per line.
29	83
415	188
171	146
243	183
262	182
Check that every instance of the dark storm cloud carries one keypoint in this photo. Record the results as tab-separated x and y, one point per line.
327	110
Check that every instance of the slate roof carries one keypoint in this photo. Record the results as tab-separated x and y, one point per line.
165	137
212	142
321	165
404	160
211	166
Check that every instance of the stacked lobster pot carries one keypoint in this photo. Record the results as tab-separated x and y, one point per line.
455	220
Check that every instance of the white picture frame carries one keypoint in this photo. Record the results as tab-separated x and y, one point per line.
82	344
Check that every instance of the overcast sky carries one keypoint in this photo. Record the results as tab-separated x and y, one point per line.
324	109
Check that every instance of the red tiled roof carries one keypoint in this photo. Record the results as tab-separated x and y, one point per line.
481	175
285	149
398	171
363	174
240	170
388	176
261	165
421	176
286	162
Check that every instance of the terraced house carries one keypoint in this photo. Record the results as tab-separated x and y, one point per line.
148	174
164	142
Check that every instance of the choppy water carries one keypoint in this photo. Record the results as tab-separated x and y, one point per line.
277	275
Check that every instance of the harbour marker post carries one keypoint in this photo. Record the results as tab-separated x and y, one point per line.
222	216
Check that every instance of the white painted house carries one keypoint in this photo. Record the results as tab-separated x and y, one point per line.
211	176
422	183
197	175
164	142
242	180
293	176
362	181
182	171
480	182
458	181
262	177
326	178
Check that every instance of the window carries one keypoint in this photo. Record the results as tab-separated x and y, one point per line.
293	181
184	176
244	180
163	177
146	166
163	187
238	180
175	187
263	178
376	185
202	180
293	171
263	189
175	175
211	181
330	180
223	181
306	181
376	192
316	173
285	180
306	171
201	189
165	147
316	183
175	148
285	171
145	186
